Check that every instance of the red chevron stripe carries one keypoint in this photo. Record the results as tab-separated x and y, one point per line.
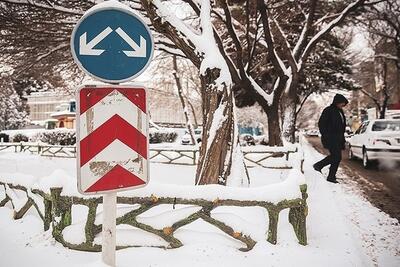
117	177
90	96
115	128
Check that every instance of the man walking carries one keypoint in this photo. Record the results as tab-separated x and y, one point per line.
332	125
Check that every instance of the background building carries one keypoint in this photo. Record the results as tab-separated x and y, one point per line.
43	104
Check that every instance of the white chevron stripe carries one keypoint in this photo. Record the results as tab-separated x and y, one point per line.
101	164
112	104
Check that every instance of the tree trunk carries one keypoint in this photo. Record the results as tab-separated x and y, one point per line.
196	124
215	160
289	109
289	121
383	107
189	124
274	128
385	93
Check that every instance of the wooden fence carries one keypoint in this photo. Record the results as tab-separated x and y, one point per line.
266	157
55	210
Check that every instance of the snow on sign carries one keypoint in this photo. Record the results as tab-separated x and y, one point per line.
112	138
112	43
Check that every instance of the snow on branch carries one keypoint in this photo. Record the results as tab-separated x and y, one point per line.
327	29
276	60
44	6
304	33
204	42
286	47
387	56
268	97
55	49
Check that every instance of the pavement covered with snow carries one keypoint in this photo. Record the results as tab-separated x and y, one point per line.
343	228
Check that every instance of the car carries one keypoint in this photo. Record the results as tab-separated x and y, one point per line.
247	140
187	140
376	140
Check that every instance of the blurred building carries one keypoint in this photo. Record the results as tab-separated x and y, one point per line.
165	108
43	104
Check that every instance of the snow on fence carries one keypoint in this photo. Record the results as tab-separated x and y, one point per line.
58	203
266	157
41	149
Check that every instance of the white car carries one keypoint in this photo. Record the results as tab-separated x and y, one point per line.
186	140
376	140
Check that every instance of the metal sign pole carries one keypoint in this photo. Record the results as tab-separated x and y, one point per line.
109	228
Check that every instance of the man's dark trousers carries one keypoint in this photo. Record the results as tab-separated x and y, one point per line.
333	159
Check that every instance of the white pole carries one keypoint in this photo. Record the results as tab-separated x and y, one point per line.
109	221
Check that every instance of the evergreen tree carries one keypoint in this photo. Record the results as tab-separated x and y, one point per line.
12	112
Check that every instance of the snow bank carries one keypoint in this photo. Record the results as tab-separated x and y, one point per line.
287	189
274	193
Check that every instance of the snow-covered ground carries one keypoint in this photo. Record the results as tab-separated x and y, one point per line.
343	228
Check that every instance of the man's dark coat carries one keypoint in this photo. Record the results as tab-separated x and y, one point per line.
332	124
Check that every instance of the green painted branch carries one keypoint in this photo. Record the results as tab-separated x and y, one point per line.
297	218
20	213
185	221
61	214
273	225
131	220
48	216
4	201
90	226
250	243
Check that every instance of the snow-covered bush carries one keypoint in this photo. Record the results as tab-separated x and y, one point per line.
162	136
12	112
63	137
20	138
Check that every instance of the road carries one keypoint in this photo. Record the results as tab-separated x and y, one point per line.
379	184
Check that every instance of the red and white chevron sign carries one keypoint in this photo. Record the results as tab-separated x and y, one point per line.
112	138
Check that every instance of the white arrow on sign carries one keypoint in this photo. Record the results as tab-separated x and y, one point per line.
86	48
139	51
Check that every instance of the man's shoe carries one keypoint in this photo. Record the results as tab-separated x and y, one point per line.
332	180
317	169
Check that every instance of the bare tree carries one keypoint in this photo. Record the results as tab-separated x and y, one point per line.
189	124
382	23
382	26
375	84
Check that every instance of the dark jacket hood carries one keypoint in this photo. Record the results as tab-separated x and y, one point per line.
339	99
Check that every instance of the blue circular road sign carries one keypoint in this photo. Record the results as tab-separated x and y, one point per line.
112	44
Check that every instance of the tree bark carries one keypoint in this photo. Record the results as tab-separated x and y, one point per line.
213	166
289	110
385	94
274	128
